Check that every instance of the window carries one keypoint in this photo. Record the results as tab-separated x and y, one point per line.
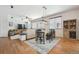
55	23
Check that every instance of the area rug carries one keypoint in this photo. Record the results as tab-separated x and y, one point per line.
42	48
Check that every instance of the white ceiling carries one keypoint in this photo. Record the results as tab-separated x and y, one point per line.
35	11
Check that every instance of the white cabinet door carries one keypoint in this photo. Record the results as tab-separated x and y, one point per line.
41	25
34	25
22	37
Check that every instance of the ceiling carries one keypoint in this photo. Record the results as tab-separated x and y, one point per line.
35	11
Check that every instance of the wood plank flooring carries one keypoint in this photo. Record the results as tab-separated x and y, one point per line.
65	46
8	46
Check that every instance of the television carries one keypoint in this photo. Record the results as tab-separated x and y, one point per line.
20	26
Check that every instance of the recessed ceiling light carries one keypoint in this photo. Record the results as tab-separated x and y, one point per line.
11	6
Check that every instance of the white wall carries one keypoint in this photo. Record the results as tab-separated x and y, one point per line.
67	15
6	10
3	26
20	10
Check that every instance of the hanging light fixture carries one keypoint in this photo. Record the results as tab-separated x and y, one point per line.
44	13
44	10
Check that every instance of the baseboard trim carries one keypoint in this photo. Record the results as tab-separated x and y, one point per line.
3	37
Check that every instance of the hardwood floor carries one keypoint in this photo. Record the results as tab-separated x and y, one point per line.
8	46
65	46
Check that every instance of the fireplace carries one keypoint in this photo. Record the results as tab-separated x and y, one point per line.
72	34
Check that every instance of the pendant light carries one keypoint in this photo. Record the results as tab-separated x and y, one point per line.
44	13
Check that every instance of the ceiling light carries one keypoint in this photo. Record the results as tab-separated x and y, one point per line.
11	6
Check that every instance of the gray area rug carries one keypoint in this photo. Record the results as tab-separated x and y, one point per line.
42	48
